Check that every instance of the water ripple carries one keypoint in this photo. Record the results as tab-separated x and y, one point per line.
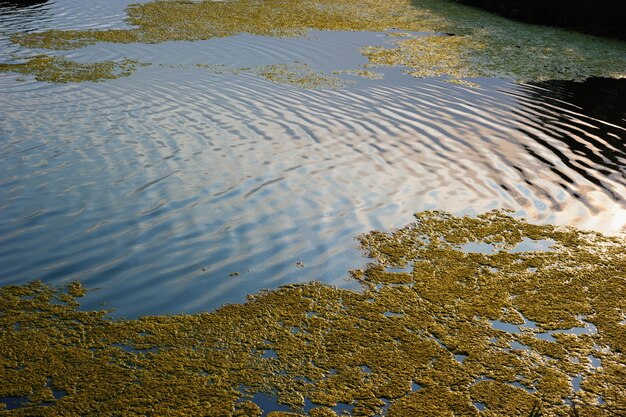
156	188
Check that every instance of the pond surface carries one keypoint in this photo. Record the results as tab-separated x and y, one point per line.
178	189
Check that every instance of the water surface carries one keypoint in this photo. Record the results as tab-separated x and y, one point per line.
177	190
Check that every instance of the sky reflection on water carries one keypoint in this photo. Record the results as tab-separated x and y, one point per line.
156	188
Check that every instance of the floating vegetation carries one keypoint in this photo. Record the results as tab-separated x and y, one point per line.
429	56
396	344
223	69
362	73
507	52
464	41
60	70
296	74
163	21
302	76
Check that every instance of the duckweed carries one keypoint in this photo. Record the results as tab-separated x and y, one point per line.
58	360
462	42
60	70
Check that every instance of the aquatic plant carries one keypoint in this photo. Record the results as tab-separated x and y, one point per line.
296	74
462	42
162	21
466	321
60	70
301	75
363	73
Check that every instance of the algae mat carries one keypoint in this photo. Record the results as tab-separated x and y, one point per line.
442	38
60	70
458	316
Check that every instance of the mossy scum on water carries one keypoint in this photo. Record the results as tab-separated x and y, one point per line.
438	330
461	42
61	70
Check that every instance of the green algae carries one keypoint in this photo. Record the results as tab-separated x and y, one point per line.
162	21
76	289
296	74
363	73
351	347
472	43
54	69
515	51
482	45
302	76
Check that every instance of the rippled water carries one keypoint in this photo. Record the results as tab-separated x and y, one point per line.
158	187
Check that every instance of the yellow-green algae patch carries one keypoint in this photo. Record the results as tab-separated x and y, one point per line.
162	21
362	73
332	346
296	74
60	70
302	76
463	42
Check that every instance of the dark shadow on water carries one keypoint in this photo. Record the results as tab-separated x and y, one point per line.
588	119
17	13
21	3
599	17
601	98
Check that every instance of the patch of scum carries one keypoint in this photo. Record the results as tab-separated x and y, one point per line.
482	44
213	363
61	70
361	73
297	74
301	75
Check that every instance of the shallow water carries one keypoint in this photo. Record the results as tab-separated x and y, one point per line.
159	187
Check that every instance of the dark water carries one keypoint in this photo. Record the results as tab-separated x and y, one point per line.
157	187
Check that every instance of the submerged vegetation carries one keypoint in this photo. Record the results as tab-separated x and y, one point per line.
456	314
460	41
